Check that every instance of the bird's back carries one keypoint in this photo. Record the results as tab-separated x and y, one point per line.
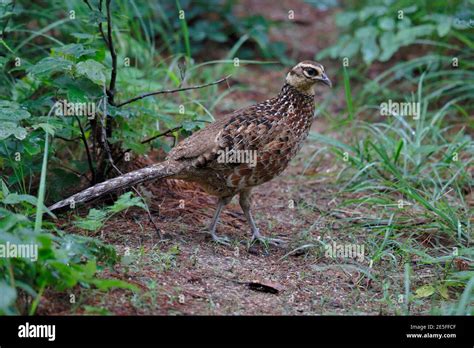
248	147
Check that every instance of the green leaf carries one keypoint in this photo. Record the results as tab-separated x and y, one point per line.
410	9
92	70
409	35
424	291
344	19
5	189
443	291
14	198
370	49
371	11
89	269
388	45
76	95
106	284
10	128
93	221
126	201
350	49
83	36
12	112
72	51
443	28
50	65
48	128
366	32
387	23
7	296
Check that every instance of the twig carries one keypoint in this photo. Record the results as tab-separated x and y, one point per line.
89	158
66	139
103	134
101	29
172	91
113	77
79	174
159	135
122	154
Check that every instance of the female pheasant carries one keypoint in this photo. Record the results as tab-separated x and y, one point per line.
237	152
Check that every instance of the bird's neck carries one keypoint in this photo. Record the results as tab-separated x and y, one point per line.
297	108
290	95
289	91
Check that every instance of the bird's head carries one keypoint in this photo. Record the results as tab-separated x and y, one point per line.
305	75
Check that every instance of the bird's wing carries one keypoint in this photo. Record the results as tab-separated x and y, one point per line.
241	129
199	143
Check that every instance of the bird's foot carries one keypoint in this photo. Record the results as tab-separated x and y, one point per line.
221	240
280	243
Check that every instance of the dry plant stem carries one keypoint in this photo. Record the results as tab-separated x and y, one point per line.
86	145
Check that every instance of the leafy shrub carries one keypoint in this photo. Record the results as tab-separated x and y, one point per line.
63	261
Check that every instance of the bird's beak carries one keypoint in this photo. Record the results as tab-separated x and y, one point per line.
324	79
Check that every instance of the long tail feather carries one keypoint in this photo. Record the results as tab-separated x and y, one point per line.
157	171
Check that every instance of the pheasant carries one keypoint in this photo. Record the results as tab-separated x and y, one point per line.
237	152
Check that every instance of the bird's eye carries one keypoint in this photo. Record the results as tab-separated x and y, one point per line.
311	72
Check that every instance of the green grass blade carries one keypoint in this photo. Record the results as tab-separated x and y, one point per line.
347	90
42	187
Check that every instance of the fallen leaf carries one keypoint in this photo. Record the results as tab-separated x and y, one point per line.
265	286
424	291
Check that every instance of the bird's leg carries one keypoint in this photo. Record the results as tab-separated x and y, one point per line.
212	228
246	203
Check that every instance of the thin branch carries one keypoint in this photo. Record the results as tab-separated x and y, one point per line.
88	5
113	76
89	158
79	174
101	29
66	139
169	131
166	91
172	130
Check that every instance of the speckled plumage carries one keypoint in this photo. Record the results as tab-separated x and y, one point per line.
272	130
